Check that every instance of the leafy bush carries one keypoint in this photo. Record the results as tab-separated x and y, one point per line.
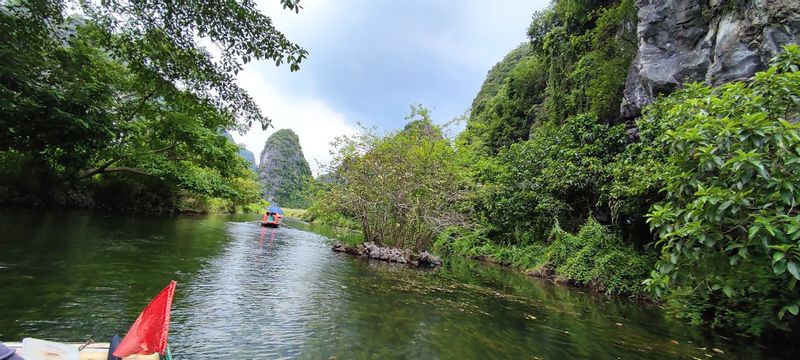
555	176
730	194
403	188
596	257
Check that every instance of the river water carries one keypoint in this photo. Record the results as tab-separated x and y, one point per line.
245	292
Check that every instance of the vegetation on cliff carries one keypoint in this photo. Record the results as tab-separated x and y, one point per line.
693	204
284	172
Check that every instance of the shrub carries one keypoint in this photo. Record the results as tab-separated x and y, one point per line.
596	257
525	200
730	175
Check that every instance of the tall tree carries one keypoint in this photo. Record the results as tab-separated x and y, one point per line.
125	87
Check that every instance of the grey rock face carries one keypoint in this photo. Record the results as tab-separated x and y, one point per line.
283	170
246	154
714	41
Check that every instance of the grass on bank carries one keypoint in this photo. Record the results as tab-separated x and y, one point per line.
294	213
594	257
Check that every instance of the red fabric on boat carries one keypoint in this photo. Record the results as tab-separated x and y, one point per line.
148	334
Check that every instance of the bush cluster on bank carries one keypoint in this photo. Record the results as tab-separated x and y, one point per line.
692	205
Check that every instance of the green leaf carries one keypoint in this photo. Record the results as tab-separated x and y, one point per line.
728	290
751	233
793	269
777	256
779	267
787	197
792	309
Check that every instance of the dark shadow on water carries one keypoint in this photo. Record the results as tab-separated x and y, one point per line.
247	292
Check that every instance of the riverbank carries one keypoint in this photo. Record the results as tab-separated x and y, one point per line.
594	257
124	198
294	213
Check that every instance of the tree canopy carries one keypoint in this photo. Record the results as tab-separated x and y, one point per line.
125	88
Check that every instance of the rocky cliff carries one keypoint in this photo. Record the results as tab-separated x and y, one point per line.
247	155
713	41
284	171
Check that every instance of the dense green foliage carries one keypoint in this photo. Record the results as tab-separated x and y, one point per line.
714	170
403	188
576	62
554	177
128	113
594	256
727	227
540	144
284	171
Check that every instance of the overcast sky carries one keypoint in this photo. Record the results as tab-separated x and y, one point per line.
370	59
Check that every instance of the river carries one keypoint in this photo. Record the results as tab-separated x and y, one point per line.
245	292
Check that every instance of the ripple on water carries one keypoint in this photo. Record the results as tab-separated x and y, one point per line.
248	292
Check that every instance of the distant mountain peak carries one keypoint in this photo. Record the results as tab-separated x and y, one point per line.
246	154
284	171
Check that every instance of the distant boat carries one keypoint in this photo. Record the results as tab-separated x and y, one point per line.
273	217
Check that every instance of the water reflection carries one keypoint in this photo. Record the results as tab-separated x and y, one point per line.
245	291
263	236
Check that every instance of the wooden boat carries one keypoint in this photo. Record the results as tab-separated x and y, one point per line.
273	217
272	224
93	351
147	336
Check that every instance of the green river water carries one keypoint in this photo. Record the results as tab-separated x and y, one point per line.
250	293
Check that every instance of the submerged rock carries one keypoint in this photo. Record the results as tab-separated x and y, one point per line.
428	260
339	247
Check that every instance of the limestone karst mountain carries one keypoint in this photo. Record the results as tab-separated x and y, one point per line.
284	171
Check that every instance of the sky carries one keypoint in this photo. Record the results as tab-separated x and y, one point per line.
369	60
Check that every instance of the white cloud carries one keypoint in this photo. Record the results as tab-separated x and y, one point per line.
315	123
479	33
473	36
